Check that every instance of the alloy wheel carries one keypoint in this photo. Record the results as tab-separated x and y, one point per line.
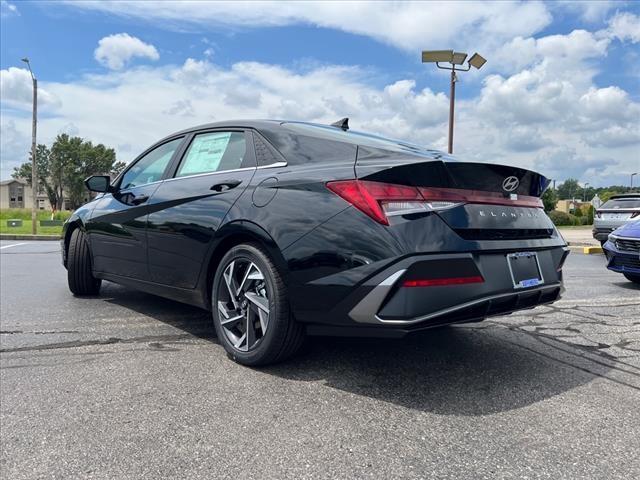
243	304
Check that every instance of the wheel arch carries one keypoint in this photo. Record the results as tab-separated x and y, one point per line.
72	225
230	235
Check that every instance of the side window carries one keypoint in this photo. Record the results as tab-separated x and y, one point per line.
150	167
213	152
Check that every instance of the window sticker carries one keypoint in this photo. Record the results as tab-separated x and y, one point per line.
205	153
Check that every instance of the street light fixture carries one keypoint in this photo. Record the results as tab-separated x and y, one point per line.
34	171
632	175
453	59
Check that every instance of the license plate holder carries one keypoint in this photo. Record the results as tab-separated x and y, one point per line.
525	269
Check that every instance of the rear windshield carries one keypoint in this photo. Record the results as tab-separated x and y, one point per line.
616	203
360	138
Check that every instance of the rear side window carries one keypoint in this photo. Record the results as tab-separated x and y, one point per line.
616	203
213	152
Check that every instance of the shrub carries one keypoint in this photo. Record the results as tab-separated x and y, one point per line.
562	219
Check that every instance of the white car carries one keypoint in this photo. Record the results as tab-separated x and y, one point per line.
615	212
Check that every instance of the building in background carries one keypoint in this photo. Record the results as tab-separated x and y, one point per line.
16	193
570	206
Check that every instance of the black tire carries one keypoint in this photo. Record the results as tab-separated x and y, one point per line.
632	277
284	336
79	276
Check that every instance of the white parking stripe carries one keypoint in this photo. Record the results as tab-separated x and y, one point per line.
12	245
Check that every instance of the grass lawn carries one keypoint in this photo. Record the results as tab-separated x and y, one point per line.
25	229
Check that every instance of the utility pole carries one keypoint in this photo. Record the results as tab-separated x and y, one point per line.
631	183
34	166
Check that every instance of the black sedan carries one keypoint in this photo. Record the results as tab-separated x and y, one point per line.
287	229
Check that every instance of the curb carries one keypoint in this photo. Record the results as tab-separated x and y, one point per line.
584	249
10	236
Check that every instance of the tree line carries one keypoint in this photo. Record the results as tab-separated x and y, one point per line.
63	167
571	189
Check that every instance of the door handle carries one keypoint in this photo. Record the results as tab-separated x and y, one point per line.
140	199
225	185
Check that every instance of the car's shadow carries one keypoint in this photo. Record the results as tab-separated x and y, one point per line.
191	320
462	370
629	285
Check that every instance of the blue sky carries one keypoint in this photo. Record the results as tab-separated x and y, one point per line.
559	93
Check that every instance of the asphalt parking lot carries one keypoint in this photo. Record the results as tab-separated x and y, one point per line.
127	385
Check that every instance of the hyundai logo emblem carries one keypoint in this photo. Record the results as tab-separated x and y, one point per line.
510	184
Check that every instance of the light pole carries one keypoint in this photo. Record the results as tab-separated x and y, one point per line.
584	191
452	58
632	175
34	168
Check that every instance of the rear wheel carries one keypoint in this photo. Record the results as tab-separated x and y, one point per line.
251	310
632	277
79	276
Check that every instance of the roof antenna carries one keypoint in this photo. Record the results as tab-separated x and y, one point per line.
343	123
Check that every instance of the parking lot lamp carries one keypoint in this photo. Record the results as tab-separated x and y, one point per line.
584	191
631	183
453	59
34	172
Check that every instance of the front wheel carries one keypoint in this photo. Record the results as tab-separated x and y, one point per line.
79	275
632	277
251	310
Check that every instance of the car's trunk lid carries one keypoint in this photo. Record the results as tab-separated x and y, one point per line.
503	200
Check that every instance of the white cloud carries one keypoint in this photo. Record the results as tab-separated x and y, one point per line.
588	10
16	89
8	9
14	146
407	25
116	50
625	26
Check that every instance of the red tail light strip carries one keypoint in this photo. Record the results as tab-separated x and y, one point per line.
478	196
439	282
368	196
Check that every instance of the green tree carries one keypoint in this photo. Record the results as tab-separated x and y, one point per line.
549	199
569	189
50	178
63	168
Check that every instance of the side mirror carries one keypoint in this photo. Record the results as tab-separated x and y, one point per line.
98	183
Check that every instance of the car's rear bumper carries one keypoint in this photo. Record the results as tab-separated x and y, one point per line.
391	303
621	261
602	233
383	306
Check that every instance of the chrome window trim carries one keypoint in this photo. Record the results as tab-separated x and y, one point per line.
217	172
273	165
243	169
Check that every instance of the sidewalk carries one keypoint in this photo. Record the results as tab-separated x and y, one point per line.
579	236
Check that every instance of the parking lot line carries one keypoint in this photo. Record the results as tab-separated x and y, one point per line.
12	245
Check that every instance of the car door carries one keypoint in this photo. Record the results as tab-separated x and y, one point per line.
188	208
117	227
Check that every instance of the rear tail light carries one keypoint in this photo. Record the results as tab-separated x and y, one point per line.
381	200
440	282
